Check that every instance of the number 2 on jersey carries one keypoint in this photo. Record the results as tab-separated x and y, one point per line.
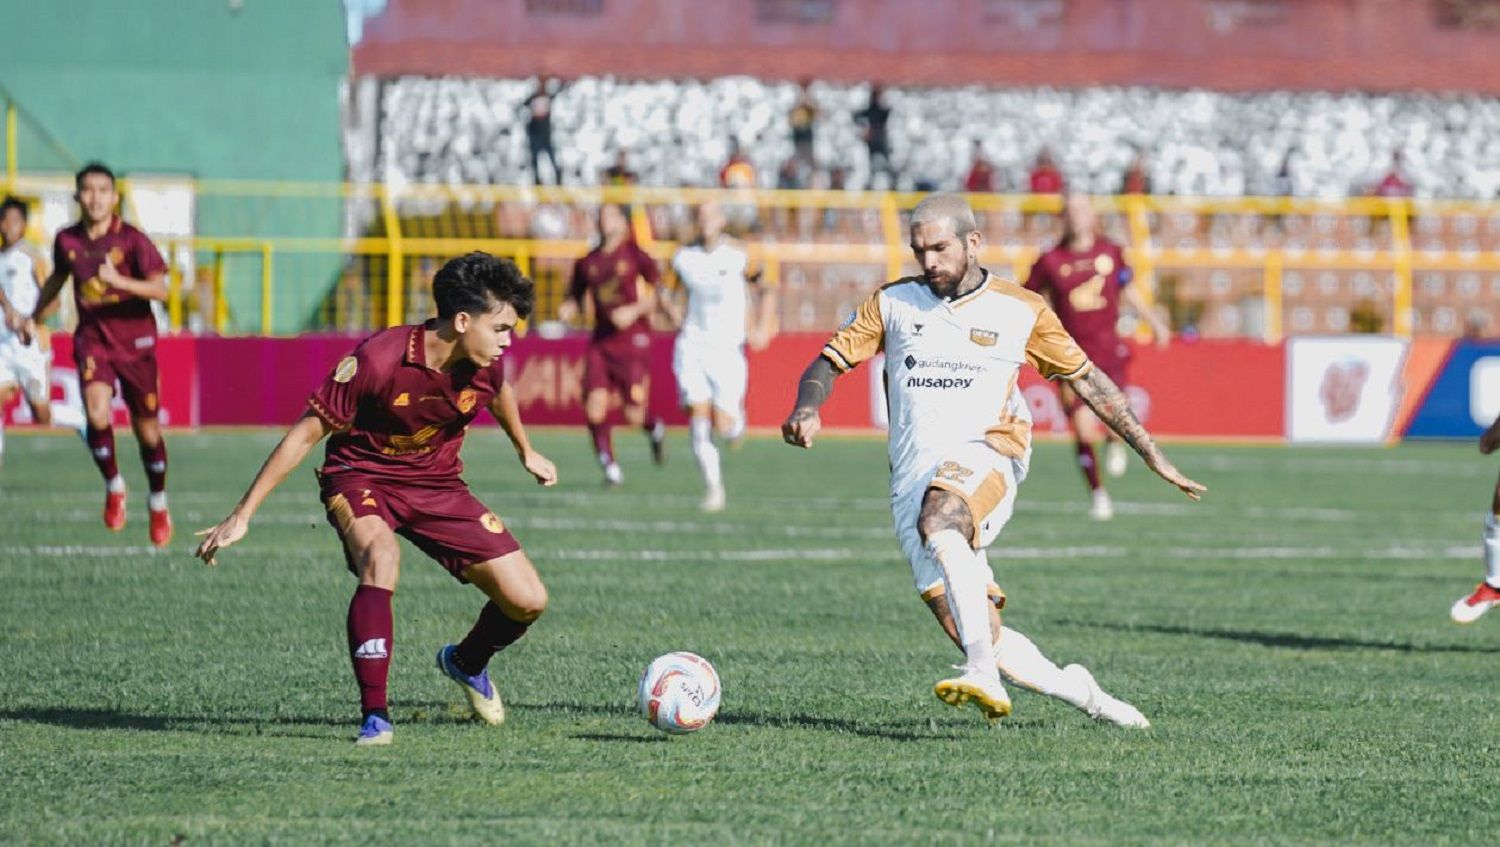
1088	297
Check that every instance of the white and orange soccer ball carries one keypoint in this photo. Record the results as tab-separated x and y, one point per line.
679	693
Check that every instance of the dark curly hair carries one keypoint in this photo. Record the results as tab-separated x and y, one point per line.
15	203
92	168
479	283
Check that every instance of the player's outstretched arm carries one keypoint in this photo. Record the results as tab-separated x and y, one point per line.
764	328
1490	440
508	413
812	392
1161	334
1110	404
293	448
50	289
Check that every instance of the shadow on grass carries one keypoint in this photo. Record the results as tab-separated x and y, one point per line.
909	729
77	718
1285	640
620	736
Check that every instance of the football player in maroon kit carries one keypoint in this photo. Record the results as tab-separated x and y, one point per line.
116	273
616	281
1086	279
397	409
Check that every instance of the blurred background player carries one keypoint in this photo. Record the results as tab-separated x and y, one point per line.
116	273
955	471
393	466
616	283
715	325
24	356
1484	597
1085	278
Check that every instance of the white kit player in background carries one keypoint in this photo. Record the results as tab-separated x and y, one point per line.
955	339
25	358
1486	596
717	322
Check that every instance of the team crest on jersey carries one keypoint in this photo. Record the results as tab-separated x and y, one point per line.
345	371
1065	269
984	337
491	522
115	255
402	399
466	400
622	268
1103	264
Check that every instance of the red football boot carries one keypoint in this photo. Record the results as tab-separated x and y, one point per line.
161	527
114	510
1470	608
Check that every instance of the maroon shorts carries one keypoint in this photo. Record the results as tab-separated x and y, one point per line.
137	374
619	368
446	522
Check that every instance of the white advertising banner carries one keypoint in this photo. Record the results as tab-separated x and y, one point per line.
1344	389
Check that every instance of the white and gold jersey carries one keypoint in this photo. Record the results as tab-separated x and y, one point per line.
951	367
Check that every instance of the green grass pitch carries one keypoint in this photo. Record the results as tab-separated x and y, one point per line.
1288	637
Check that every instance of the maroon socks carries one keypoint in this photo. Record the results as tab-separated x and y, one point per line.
370	639
493	632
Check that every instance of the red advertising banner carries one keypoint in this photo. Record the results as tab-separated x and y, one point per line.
1210	389
177	364
1206	389
264	381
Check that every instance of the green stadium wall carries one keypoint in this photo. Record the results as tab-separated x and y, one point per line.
213	89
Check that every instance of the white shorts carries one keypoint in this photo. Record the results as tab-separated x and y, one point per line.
987	482
709	375
26	365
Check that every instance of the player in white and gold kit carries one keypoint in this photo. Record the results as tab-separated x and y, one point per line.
709	357
24	359
954	340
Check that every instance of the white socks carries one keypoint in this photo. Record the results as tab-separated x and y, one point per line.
1022	663
1492	550
116	485
706	453
964	582
156	502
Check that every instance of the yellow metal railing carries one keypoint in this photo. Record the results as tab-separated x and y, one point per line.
398	233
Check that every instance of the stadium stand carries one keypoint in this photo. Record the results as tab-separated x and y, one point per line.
459	130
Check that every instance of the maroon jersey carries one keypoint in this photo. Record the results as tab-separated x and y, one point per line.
612	279
1084	288
395	417
109	318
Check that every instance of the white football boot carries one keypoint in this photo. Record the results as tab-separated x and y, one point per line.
1102	706
983	690
1103	508
1116	459
714	500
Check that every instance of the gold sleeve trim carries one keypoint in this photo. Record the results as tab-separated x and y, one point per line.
862	337
328	416
1052	351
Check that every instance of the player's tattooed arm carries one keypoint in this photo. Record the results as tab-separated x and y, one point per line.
812	392
1101	394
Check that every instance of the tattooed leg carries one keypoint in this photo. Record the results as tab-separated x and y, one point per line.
947	528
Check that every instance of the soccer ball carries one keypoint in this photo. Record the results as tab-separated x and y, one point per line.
679	693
